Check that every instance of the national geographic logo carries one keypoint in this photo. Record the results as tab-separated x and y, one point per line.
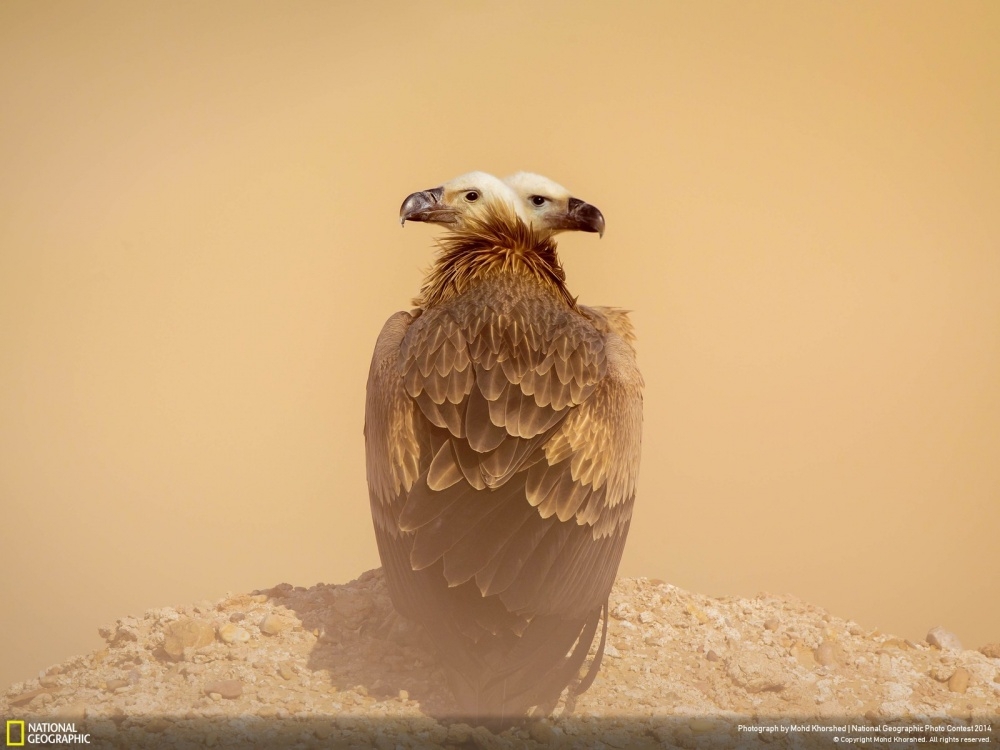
21	733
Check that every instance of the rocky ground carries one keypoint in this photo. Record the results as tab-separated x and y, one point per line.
334	666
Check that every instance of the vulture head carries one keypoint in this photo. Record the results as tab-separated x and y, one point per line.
454	202
551	208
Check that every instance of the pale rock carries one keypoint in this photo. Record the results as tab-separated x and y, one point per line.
943	639
959	682
826	654
225	688
541	732
187	633
231	633
26	698
323	731
941	672
755	673
991	650
159	724
273	624
75	711
803	655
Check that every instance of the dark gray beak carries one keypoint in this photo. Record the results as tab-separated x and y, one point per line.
426	206
583	217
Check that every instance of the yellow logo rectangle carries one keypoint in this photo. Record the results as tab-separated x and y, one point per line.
15	724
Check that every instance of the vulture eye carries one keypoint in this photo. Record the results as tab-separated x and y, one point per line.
472	196
537	200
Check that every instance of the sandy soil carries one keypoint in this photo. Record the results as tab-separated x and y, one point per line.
334	666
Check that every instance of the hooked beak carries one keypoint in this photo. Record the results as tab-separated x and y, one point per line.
583	217
426	206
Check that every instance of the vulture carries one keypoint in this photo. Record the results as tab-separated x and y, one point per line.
502	433
551	208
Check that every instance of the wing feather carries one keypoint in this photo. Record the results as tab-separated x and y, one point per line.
483	434
395	439
491	380
503	438
507	565
443	471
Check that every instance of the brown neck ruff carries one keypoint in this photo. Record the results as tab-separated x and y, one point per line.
498	243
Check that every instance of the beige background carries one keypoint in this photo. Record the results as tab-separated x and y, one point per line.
200	243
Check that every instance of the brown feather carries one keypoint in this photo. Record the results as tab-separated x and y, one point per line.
502	431
498	243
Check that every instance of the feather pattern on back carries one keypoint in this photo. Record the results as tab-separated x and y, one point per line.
502	428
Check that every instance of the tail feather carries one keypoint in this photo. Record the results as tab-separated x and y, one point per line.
501	677
595	665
